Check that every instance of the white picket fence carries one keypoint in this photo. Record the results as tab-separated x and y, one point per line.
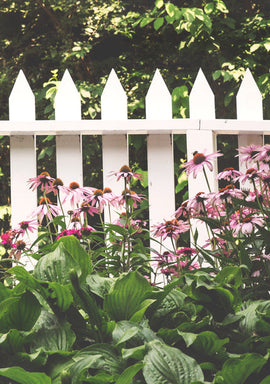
201	129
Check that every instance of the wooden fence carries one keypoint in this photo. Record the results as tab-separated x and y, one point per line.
201	129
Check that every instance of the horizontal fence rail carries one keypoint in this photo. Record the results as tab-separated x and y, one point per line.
201	130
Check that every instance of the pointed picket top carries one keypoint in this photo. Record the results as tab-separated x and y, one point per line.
67	100
113	99
21	100
249	99
158	101
201	99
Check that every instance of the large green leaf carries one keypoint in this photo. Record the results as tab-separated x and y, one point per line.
19	312
126	296
55	293
168	365
56	265
135	334
126	377
205	343
21	376
237	370
51	334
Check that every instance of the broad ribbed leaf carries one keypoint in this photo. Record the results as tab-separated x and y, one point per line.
56	265
81	365
53	292
108	359
126	377
21	376
126	296
52	335
12	341
237	370
19	312
206	343
124	328
168	365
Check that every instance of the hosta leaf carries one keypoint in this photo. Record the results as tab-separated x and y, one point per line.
126	377
108	359
127	328
19	312
21	376
55	266
52	335
53	292
168	365
126	296
206	343
237	370
12	341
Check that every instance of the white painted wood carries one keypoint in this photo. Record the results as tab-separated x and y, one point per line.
21	100
68	148
201	106
201	99
114	148
22	156
158	105
158	101
249	106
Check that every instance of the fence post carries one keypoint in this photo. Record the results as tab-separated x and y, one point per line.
160	159
114	147
68	147
22	154
202	106
249	107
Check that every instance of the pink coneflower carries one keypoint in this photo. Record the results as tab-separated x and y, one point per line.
198	162
170	228
230	174
74	194
46	209
224	195
57	186
44	181
263	154
247	154
126	173
182	212
85	209
250	175
98	200
198	206
186	251
130	196
245	222
28	226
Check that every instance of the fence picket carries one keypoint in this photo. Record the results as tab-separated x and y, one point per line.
22	155
22	151
115	147
202	106
249	107
158	105
68	147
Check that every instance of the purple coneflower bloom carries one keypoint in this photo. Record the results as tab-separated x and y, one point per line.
28	225
198	162
229	174
46	208
244	222
126	173
74	194
44	181
170	228
248	154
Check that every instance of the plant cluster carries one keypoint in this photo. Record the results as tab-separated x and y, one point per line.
91	309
